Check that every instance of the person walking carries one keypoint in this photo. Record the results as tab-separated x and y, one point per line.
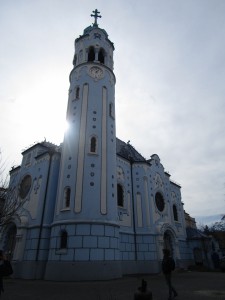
168	265
5	269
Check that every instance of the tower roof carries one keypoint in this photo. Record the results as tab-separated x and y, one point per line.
94	26
88	29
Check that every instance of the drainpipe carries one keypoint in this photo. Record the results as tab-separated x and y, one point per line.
50	153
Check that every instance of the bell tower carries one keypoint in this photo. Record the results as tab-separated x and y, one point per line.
85	230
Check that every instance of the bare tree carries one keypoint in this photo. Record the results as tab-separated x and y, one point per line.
10	201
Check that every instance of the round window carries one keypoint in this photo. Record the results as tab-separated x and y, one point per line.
159	201
25	186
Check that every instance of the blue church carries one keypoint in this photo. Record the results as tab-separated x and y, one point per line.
93	207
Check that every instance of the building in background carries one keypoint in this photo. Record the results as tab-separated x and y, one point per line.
94	207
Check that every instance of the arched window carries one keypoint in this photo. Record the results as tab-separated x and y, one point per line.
101	56
93	145
63	239
120	196
111	110
91	54
75	60
77	93
67	197
175	215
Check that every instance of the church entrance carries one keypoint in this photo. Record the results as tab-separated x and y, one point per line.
10	241
168	241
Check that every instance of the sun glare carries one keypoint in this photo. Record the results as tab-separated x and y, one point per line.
66	126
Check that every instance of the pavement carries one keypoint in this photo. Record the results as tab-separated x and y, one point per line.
190	285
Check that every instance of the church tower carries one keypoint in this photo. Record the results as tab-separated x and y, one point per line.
85	235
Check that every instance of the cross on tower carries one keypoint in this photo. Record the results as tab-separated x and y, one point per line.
96	16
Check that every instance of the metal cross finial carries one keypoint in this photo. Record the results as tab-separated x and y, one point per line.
96	16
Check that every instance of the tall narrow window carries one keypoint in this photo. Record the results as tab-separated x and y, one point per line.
175	215
91	54
77	92
75	60
67	197
120	196
93	145
111	110
160	203
63	239
101	57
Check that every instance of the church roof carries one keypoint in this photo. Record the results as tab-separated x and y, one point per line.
127	151
43	147
194	233
46	147
48	144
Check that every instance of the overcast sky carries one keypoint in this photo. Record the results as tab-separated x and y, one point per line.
170	93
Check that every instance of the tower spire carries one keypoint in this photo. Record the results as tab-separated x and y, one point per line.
96	16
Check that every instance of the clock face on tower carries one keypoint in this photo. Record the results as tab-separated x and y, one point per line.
96	73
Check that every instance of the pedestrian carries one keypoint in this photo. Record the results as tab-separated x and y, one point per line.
168	265
5	269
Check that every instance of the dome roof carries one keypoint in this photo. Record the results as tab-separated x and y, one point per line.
94	26
90	28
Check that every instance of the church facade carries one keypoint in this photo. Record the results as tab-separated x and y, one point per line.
94	207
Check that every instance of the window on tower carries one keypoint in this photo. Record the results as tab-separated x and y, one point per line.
91	54
120	195
111	110
67	193
77	96
75	60
93	144
101	56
